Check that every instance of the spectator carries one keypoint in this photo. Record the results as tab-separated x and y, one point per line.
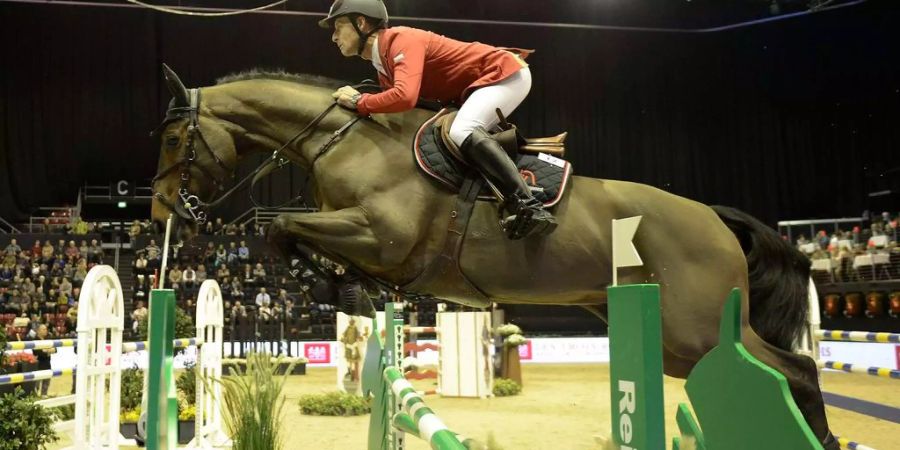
80	272
95	252
264	313
13	248
72	251
260	229
135	230
65	288
208	229
36	250
244	253
248	274
43	357
238	311
79	226
139	314
223	273
28	287
83	249
231	229
209	255
237	289
263	298
219	228
68	271
152	250
232	254
189	277
242	229
47	253
46	227
140	264
175	277
221	256
289	310
277	311
259	273
72	313
201	274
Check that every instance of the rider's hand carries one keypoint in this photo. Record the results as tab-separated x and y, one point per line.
347	97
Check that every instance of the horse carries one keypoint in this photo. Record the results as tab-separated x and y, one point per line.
380	215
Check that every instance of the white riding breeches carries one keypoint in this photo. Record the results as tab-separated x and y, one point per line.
479	110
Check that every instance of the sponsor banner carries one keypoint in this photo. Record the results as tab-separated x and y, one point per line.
867	354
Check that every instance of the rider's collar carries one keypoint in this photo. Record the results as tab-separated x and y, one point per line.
376	57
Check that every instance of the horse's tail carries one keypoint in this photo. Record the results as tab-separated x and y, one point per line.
779	278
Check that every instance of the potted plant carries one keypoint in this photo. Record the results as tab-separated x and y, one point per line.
253	403
128	420
130	398
297	366
186	422
510	366
24	425
19	362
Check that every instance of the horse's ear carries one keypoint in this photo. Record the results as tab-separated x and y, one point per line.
176	87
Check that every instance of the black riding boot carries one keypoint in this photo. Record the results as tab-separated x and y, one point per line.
527	215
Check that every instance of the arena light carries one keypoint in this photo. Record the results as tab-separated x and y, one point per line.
123	205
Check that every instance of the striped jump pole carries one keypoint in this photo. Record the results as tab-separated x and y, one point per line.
421	330
37	375
852	368
847	443
417	418
858	336
41	345
126	346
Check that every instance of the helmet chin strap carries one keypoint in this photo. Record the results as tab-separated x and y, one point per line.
363	37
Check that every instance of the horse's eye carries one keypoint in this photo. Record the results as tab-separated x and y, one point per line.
172	141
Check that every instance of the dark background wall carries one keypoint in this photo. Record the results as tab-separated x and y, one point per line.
790	119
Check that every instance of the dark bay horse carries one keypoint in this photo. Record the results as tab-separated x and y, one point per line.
378	213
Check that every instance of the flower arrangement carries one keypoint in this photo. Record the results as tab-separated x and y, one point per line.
14	359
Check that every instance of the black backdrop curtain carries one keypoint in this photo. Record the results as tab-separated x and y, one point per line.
789	119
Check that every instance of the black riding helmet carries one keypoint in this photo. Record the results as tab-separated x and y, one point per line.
373	9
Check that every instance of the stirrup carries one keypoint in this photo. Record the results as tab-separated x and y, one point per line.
528	218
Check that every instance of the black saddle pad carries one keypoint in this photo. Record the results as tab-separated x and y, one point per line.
547	176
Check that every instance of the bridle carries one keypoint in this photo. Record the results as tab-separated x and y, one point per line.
190	207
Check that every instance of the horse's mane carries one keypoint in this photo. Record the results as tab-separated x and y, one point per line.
260	74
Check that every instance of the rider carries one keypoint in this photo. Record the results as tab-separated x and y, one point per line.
413	63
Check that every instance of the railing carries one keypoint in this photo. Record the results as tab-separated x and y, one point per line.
7	227
785	227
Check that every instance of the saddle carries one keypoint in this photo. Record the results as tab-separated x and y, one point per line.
539	160
546	174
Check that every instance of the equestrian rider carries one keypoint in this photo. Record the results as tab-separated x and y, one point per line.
413	63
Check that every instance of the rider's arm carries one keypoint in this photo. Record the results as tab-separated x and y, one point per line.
408	55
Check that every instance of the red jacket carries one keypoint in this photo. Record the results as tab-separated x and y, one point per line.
422	64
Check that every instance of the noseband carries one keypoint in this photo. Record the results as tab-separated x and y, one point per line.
190	207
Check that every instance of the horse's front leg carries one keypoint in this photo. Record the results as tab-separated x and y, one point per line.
343	235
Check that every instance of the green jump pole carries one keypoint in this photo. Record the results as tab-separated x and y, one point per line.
162	406
636	372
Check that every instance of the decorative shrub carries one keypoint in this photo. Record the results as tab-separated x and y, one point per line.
504	387
333	404
23	424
